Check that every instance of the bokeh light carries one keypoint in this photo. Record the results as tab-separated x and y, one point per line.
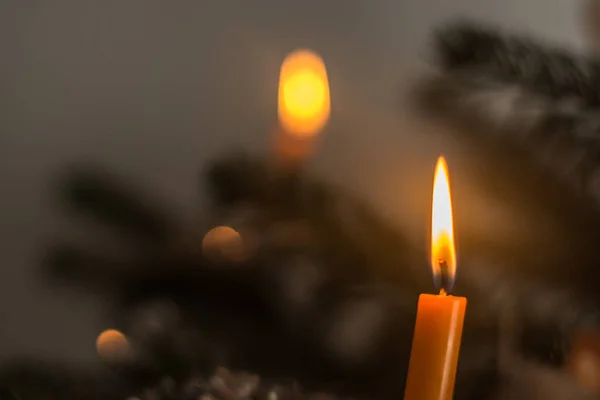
224	243
304	99
112	346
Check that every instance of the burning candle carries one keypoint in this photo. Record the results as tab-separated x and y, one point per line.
439	324
304	103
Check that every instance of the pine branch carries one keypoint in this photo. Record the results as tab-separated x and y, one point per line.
544	70
110	201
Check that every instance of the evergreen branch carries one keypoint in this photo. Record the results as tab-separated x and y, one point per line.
542	98
545	70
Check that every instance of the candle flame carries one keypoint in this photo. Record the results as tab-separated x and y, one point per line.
443	252
304	102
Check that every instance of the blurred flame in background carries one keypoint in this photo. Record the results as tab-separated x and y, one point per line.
304	105
304	102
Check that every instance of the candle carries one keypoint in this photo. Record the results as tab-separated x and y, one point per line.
439	323
304	103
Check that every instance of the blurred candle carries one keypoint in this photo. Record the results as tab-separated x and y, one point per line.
304	103
439	324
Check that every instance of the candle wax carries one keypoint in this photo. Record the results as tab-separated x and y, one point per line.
435	348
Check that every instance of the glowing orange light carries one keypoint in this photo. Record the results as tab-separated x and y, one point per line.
112	345
584	360
225	242
304	102
442	229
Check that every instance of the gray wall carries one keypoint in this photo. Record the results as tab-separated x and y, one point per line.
152	89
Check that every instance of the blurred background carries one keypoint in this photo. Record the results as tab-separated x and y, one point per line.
154	90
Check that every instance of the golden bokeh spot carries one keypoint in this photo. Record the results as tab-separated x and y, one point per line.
304	99
304	94
225	243
112	346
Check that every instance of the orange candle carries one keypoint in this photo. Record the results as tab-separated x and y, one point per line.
439	324
303	106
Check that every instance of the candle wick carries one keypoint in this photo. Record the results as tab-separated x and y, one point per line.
445	279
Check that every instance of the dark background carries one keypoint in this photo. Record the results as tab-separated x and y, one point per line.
153	89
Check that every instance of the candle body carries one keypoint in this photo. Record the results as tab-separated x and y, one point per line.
435	348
